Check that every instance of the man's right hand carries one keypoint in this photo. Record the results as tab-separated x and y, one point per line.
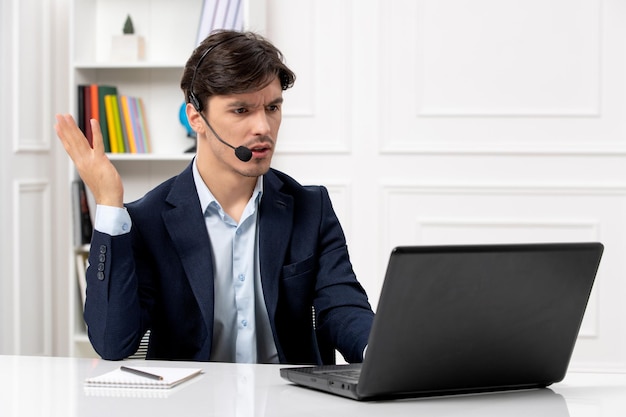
93	166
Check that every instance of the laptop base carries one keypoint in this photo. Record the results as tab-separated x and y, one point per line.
327	379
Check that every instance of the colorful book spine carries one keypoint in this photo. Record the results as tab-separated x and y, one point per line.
118	124
94	108
103	91
124	145
128	125
83	227
122	118
144	126
108	102
87	114
80	110
134	116
93	94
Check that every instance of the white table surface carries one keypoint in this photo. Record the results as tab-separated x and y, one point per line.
48	386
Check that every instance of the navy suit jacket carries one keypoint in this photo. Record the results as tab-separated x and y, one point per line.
160	277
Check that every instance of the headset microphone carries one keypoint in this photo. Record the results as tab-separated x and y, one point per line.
244	154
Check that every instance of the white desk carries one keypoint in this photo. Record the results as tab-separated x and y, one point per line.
42	386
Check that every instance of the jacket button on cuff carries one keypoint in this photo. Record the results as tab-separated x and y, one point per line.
100	276
103	249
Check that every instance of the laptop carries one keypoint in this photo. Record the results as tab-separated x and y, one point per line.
468	319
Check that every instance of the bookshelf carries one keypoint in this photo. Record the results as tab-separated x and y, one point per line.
169	29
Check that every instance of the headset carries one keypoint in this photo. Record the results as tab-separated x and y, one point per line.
243	153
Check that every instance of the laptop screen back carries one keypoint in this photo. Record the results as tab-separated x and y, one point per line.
454	319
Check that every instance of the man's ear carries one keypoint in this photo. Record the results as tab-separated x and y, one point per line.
195	120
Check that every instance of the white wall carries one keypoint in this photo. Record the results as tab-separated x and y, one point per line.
33	185
431	121
453	121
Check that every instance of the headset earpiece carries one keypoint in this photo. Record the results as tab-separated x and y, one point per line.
192	97
195	102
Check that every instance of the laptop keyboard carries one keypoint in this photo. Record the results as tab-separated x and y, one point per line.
351	375
348	373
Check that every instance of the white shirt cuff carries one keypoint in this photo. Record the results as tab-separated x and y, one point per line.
113	221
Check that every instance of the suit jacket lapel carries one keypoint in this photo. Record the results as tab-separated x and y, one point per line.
275	226
183	220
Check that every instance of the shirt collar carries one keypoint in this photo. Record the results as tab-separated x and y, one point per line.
205	195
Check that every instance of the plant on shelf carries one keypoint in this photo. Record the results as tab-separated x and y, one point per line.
128	26
128	46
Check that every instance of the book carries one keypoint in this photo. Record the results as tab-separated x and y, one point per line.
108	105
83	226
108	392
143	123
80	110
129	377
117	125
220	15
128	124
95	110
87	114
136	123
82	262
103	91
120	116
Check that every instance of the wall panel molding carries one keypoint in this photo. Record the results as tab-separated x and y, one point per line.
447	198
32	292
470	78
491	65
452	213
318	109
31	90
341	196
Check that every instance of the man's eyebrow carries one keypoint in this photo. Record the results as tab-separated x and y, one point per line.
239	103
278	100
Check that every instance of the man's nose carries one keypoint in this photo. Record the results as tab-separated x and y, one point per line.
261	124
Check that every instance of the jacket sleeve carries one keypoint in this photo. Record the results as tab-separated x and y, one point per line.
344	315
112	308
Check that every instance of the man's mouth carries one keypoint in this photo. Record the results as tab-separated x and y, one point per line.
260	149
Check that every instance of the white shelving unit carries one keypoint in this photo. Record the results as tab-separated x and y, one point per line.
169	29
169	38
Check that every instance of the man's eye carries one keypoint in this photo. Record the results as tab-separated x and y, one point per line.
240	110
273	108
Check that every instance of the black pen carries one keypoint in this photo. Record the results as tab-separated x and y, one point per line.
141	373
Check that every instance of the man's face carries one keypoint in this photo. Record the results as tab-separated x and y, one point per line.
251	120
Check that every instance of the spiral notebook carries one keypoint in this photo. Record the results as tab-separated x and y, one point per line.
143	377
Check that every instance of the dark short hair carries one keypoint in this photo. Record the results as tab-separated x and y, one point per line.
236	62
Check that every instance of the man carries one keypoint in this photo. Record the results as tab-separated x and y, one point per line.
230	260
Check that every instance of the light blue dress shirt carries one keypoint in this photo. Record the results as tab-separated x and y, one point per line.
241	328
